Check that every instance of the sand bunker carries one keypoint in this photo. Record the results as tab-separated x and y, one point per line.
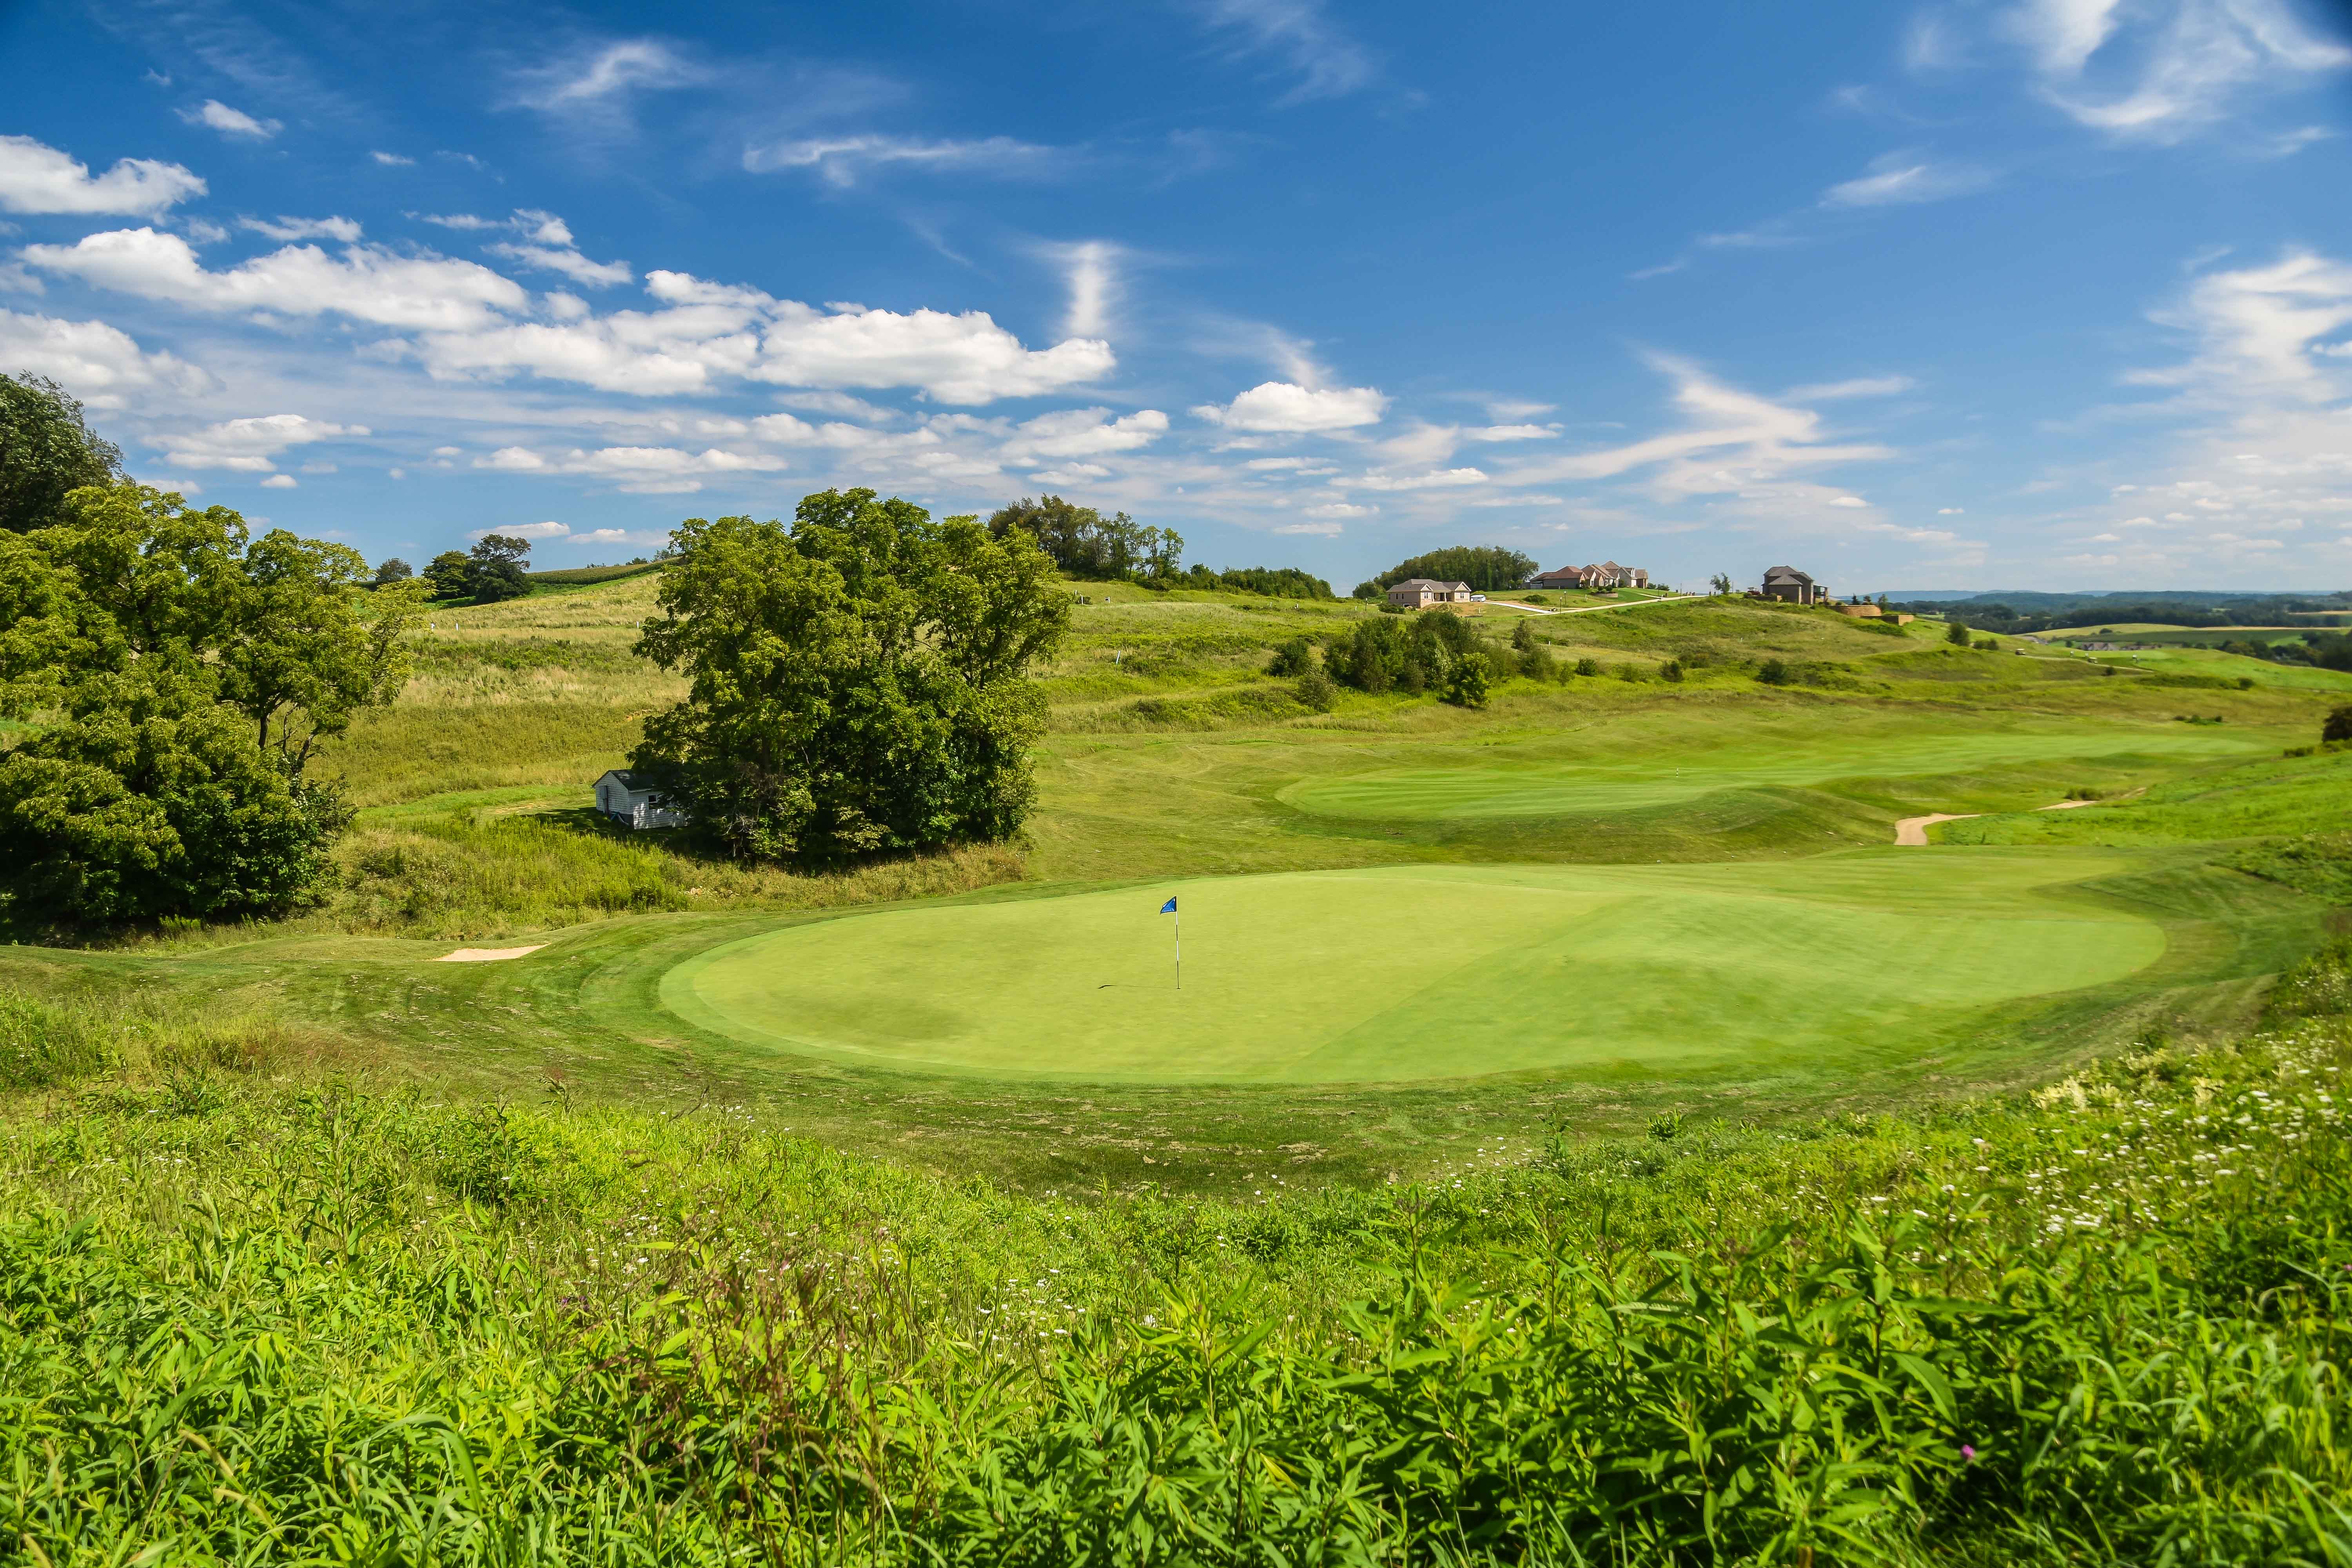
1914	829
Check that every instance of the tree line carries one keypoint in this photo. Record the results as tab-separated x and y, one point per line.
1083	543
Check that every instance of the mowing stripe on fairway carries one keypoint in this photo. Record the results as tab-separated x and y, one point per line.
1427	973
1605	783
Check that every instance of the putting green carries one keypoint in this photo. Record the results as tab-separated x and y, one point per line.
1424	972
1606	784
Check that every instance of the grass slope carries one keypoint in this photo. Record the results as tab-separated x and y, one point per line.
256	1321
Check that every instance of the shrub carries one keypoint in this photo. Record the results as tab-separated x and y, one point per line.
1467	680
1293	657
1588	666
1316	691
1958	634
1773	672
2338	726
1671	670
1523	636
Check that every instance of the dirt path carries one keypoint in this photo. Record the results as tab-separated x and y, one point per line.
1914	829
487	955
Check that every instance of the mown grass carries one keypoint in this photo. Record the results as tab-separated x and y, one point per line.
255	1314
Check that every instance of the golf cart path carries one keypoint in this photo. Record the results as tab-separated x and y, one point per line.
1913	830
1592	609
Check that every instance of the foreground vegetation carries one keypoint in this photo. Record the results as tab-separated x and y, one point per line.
253	1314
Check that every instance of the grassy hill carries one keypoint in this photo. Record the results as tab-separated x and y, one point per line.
1582	1136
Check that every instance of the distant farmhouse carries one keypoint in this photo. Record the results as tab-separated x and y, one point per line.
622	800
1788	582
1606	574
1421	593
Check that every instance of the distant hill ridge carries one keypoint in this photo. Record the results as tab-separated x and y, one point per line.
2024	598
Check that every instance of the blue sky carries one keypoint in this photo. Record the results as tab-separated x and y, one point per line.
2025	293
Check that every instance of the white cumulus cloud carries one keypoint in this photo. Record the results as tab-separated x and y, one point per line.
98	363
368	284
215	115
249	445
1285	407
36	178
1084	433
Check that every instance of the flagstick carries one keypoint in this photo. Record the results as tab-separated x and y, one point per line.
1180	950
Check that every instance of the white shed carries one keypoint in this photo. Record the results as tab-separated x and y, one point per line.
620	797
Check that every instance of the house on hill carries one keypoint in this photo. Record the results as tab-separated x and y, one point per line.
1601	574
1787	583
1421	593
625	802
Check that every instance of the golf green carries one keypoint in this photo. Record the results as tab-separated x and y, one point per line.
1631	783
1432	973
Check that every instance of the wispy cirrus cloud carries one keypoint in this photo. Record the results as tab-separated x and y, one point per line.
1327	60
1895	179
2159	70
343	229
843	160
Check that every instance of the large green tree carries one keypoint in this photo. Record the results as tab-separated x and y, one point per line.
1085	543
47	451
177	676
860	679
1488	568
495	570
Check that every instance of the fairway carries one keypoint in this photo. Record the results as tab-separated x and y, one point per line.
1604	783
1433	973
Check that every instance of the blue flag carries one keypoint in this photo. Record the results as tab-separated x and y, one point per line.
1168	907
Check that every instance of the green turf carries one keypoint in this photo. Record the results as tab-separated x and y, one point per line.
1608	783
1431	972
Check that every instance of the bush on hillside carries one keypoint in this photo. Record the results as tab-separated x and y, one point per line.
1316	690
2339	725
1958	634
1467	679
1407	654
1774	672
861	680
1588	666
1293	658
